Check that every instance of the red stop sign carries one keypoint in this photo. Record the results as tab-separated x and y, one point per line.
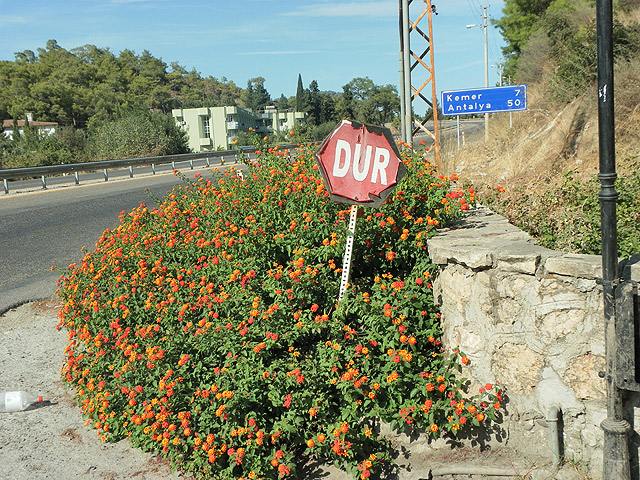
360	164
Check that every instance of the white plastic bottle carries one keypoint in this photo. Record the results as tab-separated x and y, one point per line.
17	401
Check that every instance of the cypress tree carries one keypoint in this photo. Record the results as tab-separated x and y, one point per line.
300	95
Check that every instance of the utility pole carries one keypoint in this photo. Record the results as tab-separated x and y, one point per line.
405	48
485	27
420	57
402	107
616	428
500	67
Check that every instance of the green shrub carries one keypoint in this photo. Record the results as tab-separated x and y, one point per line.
137	134
567	218
34	149
208	330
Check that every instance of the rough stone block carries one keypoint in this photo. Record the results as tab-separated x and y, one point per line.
575	265
470	253
517	367
582	377
522	257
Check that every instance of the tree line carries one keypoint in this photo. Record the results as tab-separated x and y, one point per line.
91	90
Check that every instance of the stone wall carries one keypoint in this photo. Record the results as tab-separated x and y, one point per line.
530	319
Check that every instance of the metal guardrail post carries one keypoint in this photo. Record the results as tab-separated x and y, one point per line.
173	165
191	164
130	171
6	186
44	182
207	162
106	175
76	177
222	160
153	168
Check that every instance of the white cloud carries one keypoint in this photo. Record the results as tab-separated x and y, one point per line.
380	8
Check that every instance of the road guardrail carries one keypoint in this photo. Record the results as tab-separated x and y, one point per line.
105	165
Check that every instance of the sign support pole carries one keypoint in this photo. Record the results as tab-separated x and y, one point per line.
348	250
458	129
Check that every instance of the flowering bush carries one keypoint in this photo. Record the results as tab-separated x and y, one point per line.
207	329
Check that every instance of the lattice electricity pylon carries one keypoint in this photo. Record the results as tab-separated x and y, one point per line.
422	59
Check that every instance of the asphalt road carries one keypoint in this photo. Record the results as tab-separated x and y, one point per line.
42	232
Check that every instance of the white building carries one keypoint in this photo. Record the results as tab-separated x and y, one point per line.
213	128
43	128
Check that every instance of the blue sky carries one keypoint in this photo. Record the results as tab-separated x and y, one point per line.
330	41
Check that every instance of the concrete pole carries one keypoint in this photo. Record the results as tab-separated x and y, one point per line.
485	26
406	73
402	119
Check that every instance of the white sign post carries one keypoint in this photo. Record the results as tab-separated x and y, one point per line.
348	250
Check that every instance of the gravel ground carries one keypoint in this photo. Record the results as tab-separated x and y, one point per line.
52	442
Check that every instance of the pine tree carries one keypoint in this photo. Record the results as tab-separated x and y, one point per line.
314	104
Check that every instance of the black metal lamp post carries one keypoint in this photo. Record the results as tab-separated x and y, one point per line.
616	428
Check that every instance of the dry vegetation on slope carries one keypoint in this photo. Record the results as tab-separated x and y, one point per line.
542	173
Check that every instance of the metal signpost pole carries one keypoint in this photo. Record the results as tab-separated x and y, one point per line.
510	113
616	428
458	129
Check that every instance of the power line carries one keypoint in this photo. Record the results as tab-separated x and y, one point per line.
473	7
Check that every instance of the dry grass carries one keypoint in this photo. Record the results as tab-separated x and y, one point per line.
547	146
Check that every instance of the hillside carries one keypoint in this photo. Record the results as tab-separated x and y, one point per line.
542	173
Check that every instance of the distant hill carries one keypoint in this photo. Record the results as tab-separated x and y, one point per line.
73	86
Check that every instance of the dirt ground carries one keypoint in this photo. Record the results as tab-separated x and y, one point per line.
52	442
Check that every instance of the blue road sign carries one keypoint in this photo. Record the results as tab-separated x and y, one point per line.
484	100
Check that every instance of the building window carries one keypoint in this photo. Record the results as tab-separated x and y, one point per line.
206	129
229	118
